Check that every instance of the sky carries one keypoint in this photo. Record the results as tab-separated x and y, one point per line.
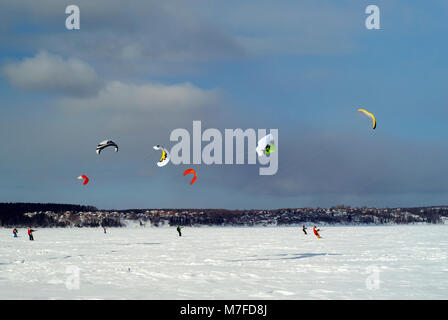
134	72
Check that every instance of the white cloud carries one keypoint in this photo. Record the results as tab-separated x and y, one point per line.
119	96
51	73
153	37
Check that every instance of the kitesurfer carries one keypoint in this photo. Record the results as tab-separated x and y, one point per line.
316	231
14	231
304	229
30	233
178	230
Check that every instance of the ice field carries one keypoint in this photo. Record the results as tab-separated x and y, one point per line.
374	262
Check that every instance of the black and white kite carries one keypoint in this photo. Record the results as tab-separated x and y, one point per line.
105	144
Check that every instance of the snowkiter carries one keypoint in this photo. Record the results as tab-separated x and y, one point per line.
30	233
304	229
178	230
104	229
14	231
316	231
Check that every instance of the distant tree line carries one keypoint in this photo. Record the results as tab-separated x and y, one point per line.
70	215
13	214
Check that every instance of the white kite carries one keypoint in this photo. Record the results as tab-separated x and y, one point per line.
165	156
266	145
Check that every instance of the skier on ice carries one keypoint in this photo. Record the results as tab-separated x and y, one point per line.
30	233
316	231
304	229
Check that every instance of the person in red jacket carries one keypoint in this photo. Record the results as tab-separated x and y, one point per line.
14	231
316	231
30	233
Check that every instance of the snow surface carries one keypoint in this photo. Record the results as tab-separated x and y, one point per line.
375	262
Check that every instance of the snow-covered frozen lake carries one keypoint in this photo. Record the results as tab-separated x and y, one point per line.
377	262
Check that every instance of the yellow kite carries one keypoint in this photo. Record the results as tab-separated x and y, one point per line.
165	156
371	116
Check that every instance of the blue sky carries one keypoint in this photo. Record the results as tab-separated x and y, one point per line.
135	73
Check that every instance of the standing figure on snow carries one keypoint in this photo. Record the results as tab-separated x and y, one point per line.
30	233
304	229
104	229
14	231
316	231
178	230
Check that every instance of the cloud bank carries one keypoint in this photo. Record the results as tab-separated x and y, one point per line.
51	73
119	96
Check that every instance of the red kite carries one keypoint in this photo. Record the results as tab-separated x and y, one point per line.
86	180
188	171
